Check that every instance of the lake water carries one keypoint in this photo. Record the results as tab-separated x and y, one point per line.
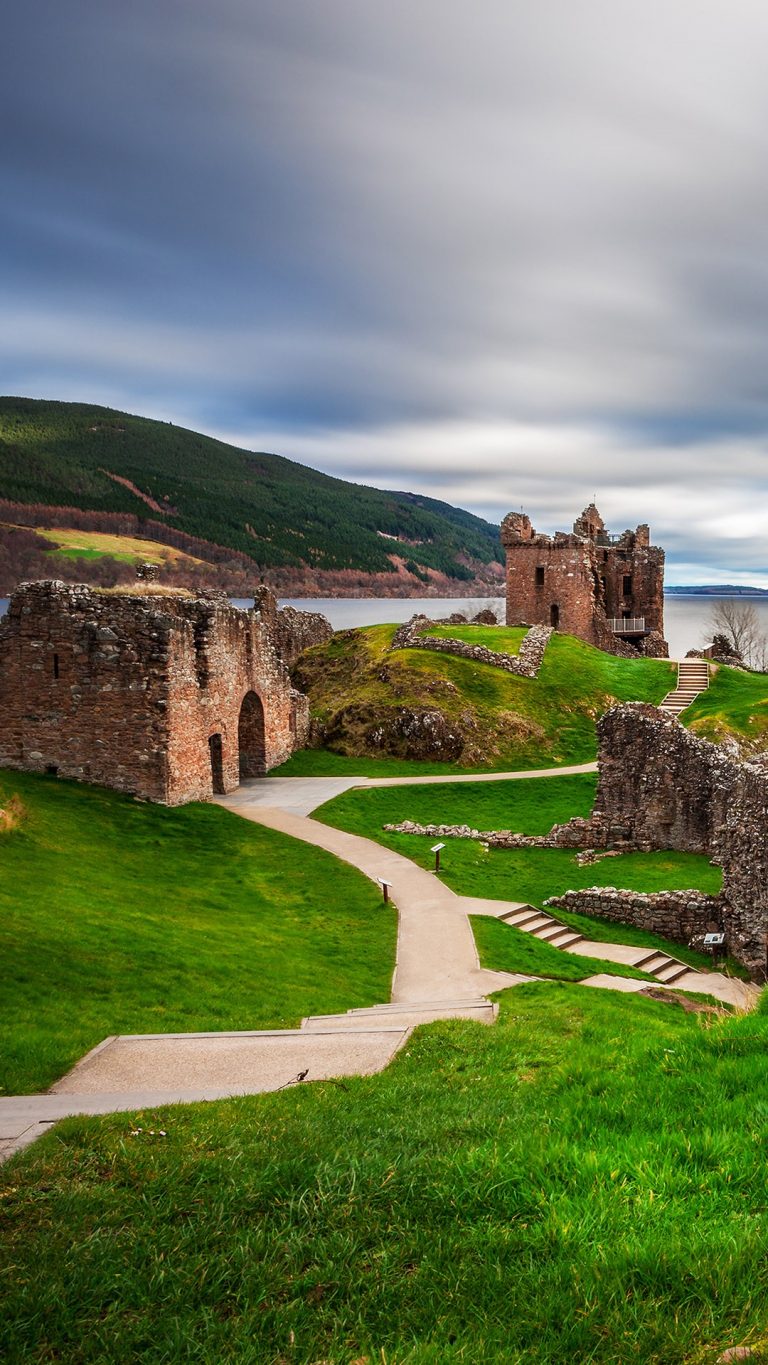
686	619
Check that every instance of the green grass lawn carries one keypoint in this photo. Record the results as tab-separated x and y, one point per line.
505	722
504	948
123	917
503	639
583	1182
529	806
736	703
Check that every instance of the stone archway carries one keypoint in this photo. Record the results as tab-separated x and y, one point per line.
251	737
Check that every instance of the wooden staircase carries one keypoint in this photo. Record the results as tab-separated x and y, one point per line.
692	678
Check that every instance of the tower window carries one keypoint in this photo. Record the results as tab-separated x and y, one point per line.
540	576
627	585
55	665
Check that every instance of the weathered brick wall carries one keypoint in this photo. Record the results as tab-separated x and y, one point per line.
128	689
577	581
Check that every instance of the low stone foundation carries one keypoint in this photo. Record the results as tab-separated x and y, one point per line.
525	664
678	915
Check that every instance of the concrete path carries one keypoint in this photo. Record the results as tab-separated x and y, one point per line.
436	954
302	795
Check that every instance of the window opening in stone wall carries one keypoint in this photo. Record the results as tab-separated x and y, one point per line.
540	576
55	665
52	769
627	585
201	651
554	616
251	737
217	765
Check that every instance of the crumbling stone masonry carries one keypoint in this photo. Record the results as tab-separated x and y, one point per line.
607	590
164	696
525	664
661	787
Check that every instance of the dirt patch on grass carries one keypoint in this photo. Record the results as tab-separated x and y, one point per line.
686	1002
13	813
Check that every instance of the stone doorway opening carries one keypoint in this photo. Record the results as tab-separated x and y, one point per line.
251	737
554	615
217	764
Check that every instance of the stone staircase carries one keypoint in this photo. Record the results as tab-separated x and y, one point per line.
692	678
541	925
402	1015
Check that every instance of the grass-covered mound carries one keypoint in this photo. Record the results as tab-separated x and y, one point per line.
528	806
584	1181
359	692
122	917
735	706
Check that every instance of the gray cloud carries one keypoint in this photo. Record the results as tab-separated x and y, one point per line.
512	254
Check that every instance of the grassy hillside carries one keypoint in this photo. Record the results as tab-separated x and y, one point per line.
584	1181
278	512
735	706
358	690
122	917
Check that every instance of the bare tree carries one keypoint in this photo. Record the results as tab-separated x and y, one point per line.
739	623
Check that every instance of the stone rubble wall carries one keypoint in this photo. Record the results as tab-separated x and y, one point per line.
498	838
678	915
294	631
525	664
660	787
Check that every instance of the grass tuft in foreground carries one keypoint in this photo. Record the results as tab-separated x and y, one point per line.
584	1181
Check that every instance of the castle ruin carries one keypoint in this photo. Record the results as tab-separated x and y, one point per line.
660	787
607	590
162	695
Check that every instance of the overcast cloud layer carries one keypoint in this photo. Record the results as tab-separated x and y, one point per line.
507	253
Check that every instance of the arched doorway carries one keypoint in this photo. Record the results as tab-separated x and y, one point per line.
217	764
251	738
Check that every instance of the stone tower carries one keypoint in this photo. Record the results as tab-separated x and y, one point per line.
607	590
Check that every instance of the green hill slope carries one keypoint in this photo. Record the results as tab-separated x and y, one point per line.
275	511
417	706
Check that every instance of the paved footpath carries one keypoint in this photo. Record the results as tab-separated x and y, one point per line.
302	795
437	975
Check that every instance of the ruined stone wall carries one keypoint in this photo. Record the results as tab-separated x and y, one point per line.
525	664
84	687
127	690
294	631
660	787
678	915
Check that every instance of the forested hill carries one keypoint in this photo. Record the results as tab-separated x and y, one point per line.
278	513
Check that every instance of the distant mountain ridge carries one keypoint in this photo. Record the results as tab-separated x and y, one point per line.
717	590
295	526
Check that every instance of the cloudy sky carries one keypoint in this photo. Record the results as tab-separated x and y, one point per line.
512	252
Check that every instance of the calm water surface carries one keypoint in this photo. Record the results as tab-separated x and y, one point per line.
686	618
